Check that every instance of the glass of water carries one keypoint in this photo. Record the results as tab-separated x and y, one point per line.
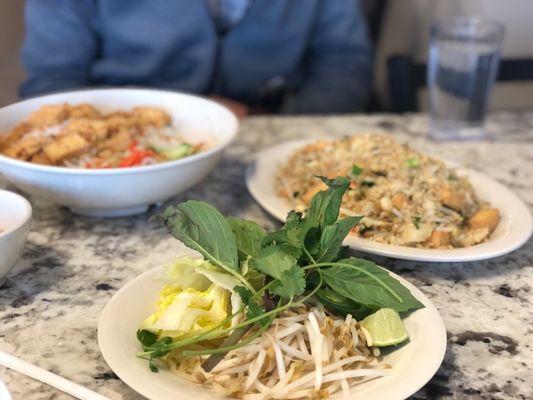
463	61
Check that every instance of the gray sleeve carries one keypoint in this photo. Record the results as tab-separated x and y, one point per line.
339	62
59	46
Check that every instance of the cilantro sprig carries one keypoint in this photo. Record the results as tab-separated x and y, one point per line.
303	259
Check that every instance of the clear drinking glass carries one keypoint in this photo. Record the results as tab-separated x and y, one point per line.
463	60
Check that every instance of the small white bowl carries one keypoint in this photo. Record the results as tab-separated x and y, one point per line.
123	191
15	221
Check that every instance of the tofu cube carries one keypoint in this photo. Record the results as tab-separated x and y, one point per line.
151	116
66	146
439	239
16	133
399	200
451	199
49	115
117	142
485	218
90	129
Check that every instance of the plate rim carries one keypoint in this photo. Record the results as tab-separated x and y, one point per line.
395	251
416	383
4	391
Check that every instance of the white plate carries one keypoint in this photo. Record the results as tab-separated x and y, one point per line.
413	364
512	232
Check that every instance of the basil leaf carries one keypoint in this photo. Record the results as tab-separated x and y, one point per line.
341	305
332	237
291	233
305	233
201	227
369	285
248	236
325	205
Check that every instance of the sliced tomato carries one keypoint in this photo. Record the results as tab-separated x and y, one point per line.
135	157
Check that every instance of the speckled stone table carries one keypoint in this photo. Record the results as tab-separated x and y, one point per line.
50	303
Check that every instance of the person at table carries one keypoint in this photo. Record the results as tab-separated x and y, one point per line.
289	56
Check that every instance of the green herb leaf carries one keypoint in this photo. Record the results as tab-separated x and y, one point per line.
160	348
274	260
280	263
253	308
416	222
342	305
324	207
332	237
146	337
248	237
369	285
291	233
244	294
256	278
291	283
356	170
201	227
304	233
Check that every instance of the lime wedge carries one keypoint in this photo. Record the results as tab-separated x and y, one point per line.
384	328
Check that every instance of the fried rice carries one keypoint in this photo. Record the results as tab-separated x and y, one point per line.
406	198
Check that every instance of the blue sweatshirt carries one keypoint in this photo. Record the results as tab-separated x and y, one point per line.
300	56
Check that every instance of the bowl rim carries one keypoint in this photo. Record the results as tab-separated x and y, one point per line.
129	170
27	212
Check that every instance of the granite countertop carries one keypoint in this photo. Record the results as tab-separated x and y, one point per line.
51	301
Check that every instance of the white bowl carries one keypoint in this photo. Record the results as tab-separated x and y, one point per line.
15	221
123	191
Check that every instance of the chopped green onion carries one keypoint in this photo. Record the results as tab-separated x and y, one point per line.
356	170
412	163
